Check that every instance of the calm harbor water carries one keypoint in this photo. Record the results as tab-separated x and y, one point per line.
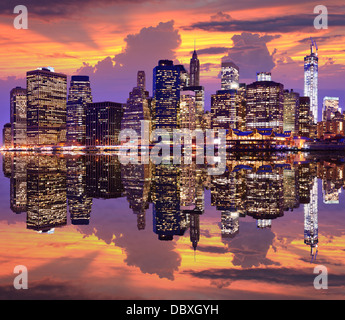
88	227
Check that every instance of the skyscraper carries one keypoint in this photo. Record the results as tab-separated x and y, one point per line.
7	135
265	105
311	62
18	111
194	70
137	108
305	120
187	110
166	95
103	123
78	98
330	108
291	111
229	76
46	107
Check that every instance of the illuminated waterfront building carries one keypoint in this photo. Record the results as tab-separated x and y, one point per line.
166	95
137	108
265	105
46	107
18	110
229	76
229	224
78	98
330	108
291	111
103	123
7	135
311	63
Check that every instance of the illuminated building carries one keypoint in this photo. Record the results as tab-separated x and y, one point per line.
187	110
229	224
328	129
78	98
166	95
265	105
7	161
305	122
194	70
79	203
137	108
18	184
18	101
263	76
7	135
199	93
46	107
46	192
290	185
311	63
330	108
226	110
291	111
103	123
229	76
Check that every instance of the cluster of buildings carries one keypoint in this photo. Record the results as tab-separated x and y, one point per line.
45	114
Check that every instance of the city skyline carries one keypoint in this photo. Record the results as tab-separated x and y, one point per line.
218	32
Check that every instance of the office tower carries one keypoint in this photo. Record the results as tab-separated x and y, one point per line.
194	229
188	110
263	76
137	108
224	109
311	80
194	70
291	111
46	192
46	107
79	203
166	95
290	187
229	224
184	76
330	108
103	123
305	117
18	183
265	105
7	135
103	177
78	98
311	236
18	101
229	76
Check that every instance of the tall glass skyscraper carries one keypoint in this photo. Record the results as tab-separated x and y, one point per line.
166	95
78	98
194	70
311	67
230	76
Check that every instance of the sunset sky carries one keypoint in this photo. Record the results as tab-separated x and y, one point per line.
111	40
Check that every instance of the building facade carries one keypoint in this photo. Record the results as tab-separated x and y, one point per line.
18	101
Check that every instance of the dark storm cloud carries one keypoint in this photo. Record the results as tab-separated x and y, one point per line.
61	8
281	24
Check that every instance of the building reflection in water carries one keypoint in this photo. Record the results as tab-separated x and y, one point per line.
263	187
